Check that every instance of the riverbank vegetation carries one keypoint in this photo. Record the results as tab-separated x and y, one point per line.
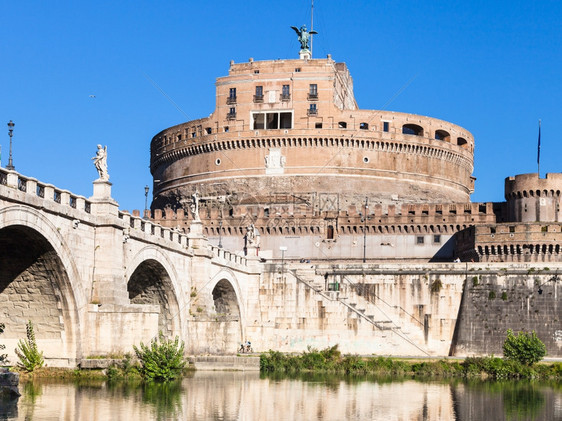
330	360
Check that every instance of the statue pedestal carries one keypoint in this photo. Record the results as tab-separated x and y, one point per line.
305	55
252	251
196	229
102	202
102	189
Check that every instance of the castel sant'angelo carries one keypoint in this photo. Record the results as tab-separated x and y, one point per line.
289	157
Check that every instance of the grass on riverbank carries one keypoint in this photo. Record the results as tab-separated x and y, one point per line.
330	360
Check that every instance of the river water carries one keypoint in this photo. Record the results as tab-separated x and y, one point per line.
249	396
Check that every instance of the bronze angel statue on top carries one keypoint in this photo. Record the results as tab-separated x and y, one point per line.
304	36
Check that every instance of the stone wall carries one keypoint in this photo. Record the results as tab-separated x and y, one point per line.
506	298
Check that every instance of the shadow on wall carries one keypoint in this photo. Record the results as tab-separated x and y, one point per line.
445	253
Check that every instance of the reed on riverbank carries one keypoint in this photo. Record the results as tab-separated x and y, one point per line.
330	360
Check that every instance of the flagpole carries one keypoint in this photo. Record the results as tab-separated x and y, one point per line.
539	152
311	24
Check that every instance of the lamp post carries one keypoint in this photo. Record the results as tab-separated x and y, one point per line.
365	230
146	190
10	165
283	250
220	234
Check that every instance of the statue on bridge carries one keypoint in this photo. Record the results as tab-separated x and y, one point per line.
194	207
100	162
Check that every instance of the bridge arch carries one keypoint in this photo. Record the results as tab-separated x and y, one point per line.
39	282
227	312
152	279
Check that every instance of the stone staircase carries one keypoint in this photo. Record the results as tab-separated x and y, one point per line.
390	318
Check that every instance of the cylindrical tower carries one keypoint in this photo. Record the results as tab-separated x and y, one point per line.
292	128
533	199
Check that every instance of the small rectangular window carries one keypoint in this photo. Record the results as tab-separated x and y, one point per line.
492	230
437	239
419	239
511	229
286	90
232	93
312	107
318	125
259	90
313	89
385	126
297	70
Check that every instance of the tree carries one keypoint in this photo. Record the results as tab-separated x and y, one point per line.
525	348
30	357
163	360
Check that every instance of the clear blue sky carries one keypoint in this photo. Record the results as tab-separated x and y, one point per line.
491	67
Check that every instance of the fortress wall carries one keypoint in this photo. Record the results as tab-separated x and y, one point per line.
497	300
416	308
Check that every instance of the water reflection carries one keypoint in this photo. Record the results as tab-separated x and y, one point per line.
248	396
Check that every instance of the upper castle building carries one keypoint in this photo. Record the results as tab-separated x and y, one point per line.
288	150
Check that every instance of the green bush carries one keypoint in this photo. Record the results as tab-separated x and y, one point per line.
525	348
29	356
163	360
3	357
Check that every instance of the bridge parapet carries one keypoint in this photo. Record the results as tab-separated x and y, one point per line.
228	255
43	191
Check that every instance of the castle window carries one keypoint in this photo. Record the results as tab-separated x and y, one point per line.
231	113
385	126
298	70
511	229
318	125
419	240
256	72
364	126
412	129
437	239
272	120
342	125
226	129
208	130
330	232
313	92
312	110
231	96
462	142
442	135
285	93
179	137
258	97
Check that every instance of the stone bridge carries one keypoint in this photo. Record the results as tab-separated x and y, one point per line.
95	280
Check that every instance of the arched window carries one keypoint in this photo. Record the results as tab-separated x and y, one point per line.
342	125
442	135
462	142
364	126
412	129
